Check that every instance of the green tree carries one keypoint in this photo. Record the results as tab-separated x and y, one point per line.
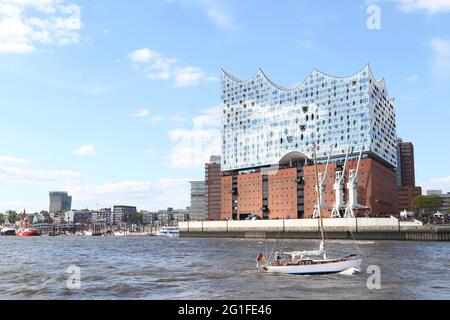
2	218
136	218
427	205
12	217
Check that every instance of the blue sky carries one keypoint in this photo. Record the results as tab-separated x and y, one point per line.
116	102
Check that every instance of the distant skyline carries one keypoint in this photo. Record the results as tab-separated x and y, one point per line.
117	103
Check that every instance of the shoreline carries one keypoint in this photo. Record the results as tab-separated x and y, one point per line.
339	229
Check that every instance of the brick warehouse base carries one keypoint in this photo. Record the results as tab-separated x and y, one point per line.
290	193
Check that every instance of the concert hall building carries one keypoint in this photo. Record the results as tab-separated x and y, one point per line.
268	132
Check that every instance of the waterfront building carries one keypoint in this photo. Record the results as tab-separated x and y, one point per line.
198	201
148	217
445	207
38	217
57	218
213	177
104	215
181	215
60	201
170	215
122	214
267	136
165	217
406	196
78	216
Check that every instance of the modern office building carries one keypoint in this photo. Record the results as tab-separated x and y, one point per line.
406	176
198	200
60	202
122	214
268	133
213	178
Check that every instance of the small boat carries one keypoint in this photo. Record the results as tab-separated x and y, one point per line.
168	232
8	231
307	262
27	232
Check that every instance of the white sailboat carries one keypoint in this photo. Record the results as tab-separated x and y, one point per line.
313	262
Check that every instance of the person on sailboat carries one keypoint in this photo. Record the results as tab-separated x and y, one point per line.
261	258
278	262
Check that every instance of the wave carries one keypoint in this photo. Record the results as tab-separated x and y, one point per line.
350	271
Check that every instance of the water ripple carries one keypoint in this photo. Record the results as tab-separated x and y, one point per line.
155	268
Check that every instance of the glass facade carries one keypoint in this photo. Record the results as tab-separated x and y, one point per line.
262	122
60	202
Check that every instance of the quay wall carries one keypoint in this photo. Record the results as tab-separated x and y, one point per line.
346	228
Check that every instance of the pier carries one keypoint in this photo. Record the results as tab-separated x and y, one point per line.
335	228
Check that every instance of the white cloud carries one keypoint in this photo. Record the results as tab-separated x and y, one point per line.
142	113
12	171
218	14
194	147
21	175
149	151
155	66
86	150
442	183
430	6
210	117
26	24
142	55
189	76
150	195
440	63
12	161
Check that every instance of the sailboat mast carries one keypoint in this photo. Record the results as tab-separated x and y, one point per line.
318	195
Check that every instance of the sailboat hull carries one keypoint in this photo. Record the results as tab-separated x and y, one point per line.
316	267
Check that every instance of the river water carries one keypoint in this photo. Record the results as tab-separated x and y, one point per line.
185	268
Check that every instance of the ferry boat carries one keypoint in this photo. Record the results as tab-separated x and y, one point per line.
168	232
306	262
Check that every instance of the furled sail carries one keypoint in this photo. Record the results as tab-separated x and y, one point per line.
319	252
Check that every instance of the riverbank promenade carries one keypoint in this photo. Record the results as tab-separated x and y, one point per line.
345	228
